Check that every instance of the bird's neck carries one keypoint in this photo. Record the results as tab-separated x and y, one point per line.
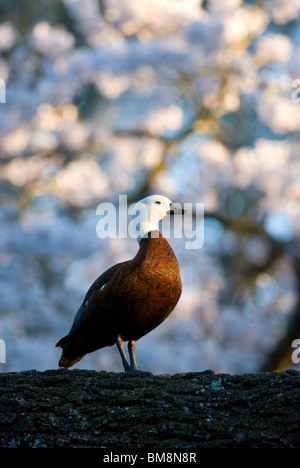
156	256
147	229
153	244
152	234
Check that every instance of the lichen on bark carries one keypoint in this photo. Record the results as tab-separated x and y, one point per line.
82	408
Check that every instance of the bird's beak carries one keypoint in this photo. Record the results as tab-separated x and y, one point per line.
176	208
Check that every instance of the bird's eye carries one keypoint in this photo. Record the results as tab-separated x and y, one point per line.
158	202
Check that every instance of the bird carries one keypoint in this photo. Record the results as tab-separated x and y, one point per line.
131	298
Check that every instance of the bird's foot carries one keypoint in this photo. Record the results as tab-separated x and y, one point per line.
134	372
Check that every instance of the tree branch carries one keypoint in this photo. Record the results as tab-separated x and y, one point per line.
81	408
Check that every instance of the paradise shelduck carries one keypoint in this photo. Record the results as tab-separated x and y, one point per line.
131	298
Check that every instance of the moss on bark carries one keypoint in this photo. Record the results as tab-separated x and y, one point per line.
81	408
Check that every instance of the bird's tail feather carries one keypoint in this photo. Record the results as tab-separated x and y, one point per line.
71	354
61	343
69	362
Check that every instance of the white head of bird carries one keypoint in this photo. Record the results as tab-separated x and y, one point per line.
149	211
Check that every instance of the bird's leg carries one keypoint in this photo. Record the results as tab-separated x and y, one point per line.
120	346
132	368
131	350
133	365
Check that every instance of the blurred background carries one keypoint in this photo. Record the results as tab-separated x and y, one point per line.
195	100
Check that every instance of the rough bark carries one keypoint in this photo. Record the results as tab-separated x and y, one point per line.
81	408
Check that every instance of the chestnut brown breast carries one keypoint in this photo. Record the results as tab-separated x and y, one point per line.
147	289
135	297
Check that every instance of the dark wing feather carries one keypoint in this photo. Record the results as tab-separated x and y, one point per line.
102	280
96	286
